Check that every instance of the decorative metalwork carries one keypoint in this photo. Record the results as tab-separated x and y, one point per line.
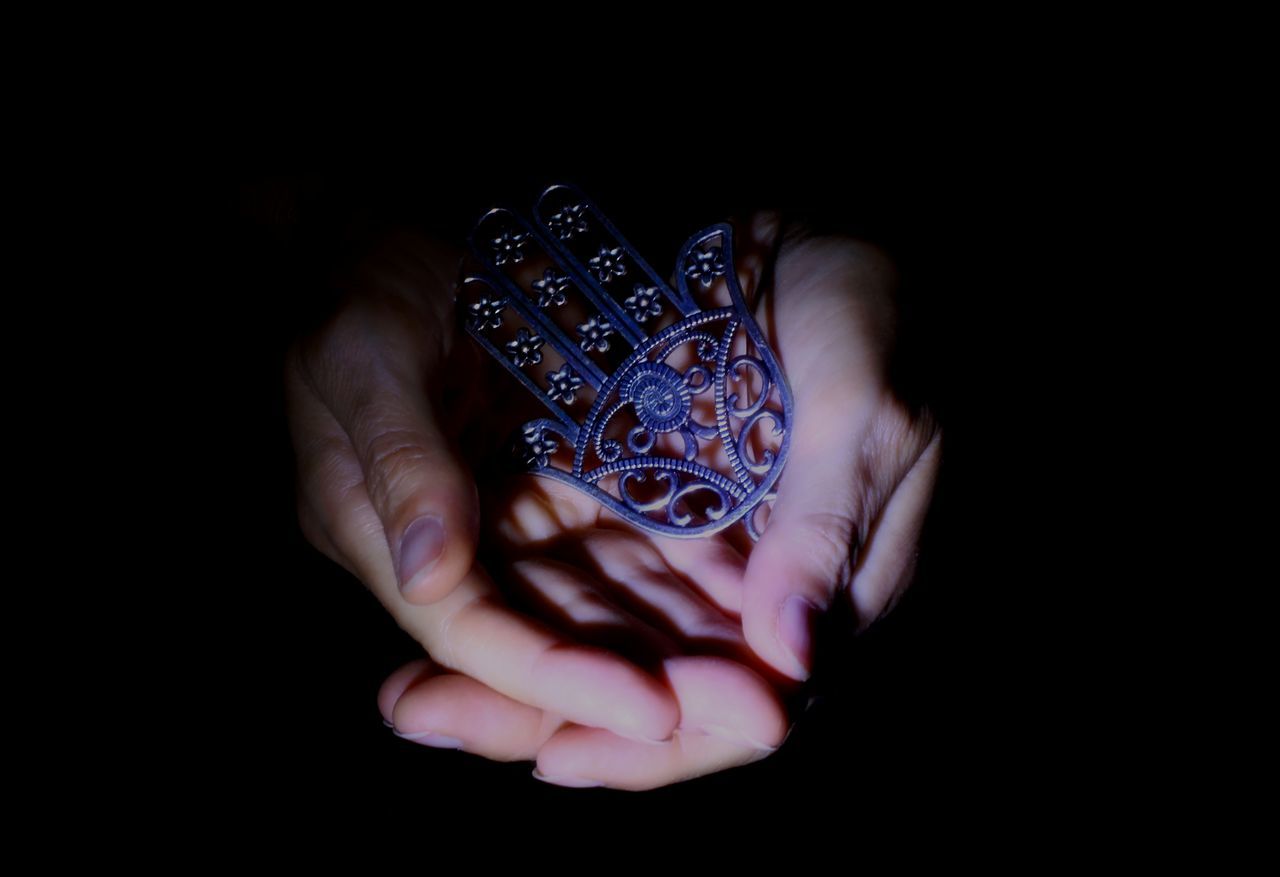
551	288
595	332
690	432
486	313
643	303
508	246
571	220
526	348
705	266
563	384
608	264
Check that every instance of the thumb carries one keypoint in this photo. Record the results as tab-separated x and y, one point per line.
425	498
831	489
375	374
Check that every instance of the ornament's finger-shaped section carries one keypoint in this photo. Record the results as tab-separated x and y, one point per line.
683	427
592	244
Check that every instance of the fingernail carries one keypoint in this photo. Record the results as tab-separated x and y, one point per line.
794	624
568	782
420	547
428	738
733	735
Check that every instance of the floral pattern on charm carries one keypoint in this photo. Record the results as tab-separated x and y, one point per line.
595	332
563	384
643	303
570	221
509	246
705	266
525	348
608	264
486	313
551	288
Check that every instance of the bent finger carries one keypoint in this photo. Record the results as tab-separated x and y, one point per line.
452	711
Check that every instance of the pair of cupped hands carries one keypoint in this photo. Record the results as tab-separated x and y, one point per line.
610	656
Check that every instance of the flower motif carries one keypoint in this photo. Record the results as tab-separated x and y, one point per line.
643	304
608	264
538	448
569	221
563	384
706	349
705	266
593	333
507	246
486	313
524	349
550	288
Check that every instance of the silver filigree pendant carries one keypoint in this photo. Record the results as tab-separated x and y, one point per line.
674	416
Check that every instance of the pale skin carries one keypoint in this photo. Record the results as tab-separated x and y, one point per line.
610	656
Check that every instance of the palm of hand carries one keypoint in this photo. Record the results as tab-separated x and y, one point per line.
701	615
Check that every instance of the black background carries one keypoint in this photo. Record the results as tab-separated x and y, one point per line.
947	695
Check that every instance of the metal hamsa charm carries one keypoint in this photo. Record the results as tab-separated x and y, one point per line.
673	415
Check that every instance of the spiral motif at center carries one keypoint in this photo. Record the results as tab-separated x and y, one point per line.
661	397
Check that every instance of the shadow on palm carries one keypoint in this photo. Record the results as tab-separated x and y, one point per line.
668	604
704	615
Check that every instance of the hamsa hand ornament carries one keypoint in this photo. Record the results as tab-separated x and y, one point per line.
673	415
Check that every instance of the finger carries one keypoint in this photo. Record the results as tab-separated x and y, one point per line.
570	599
630	571
328	473
736	720
833	488
400	681
579	757
851	443
471	631
631	599
728	700
805	554
452	711
886	567
542	509
370	370
846	459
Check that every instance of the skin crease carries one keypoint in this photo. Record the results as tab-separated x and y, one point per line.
608	655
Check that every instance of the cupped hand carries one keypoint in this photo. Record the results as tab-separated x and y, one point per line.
382	492
861	473
863	464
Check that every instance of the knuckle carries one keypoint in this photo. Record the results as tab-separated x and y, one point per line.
452	629
393	458
898	436
830	544
320	458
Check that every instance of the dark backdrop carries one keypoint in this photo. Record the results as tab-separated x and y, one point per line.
939	700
